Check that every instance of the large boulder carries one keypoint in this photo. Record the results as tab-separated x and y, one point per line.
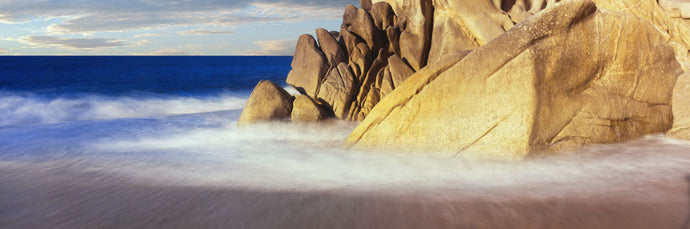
611	80
309	65
267	102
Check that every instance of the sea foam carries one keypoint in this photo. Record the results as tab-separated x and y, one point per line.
19	109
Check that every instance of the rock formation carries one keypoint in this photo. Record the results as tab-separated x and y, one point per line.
267	102
497	78
604	86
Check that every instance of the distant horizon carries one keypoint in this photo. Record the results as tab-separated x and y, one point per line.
161	28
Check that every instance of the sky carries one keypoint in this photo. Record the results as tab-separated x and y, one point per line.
162	27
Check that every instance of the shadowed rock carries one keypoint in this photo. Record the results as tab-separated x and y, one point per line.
365	28
399	70
267	102
309	65
365	4
415	39
383	15
306	109
393	36
338	90
330	47
514	95
350	16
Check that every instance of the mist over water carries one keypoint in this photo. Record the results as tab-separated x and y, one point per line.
19	109
176	162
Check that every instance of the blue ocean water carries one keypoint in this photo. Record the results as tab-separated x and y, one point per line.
54	89
126	75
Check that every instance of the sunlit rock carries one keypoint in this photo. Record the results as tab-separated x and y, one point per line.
267	102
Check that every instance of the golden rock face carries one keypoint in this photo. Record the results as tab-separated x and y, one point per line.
499	79
570	75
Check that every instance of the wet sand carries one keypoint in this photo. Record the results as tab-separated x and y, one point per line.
63	198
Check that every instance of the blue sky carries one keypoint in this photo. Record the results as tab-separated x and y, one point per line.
157	27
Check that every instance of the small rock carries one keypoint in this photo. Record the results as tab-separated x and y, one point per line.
267	102
305	109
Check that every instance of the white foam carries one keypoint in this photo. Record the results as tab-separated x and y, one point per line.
26	109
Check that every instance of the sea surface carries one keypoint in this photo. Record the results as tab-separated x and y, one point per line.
151	142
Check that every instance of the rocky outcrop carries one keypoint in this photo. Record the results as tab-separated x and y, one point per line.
514	95
497	78
267	102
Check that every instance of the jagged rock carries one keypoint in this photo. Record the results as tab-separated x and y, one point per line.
514	95
361	57
367	84
383	15
330	47
393	36
365	4
267	102
415	39
305	109
350	16
399	70
338	90
349	40
309	65
365	28
386	86
461	26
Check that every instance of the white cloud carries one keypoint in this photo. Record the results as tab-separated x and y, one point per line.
151	35
205	32
3	51
142	43
72	43
110	15
273	47
170	52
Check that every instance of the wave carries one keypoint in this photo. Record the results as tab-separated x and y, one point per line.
22	109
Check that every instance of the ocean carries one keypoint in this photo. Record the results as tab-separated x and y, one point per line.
152	142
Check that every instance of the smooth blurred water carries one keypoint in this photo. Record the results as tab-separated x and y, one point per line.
174	158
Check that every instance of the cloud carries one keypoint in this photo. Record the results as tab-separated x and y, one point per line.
72	43
3	51
273	47
170	52
205	32
82	16
151	35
